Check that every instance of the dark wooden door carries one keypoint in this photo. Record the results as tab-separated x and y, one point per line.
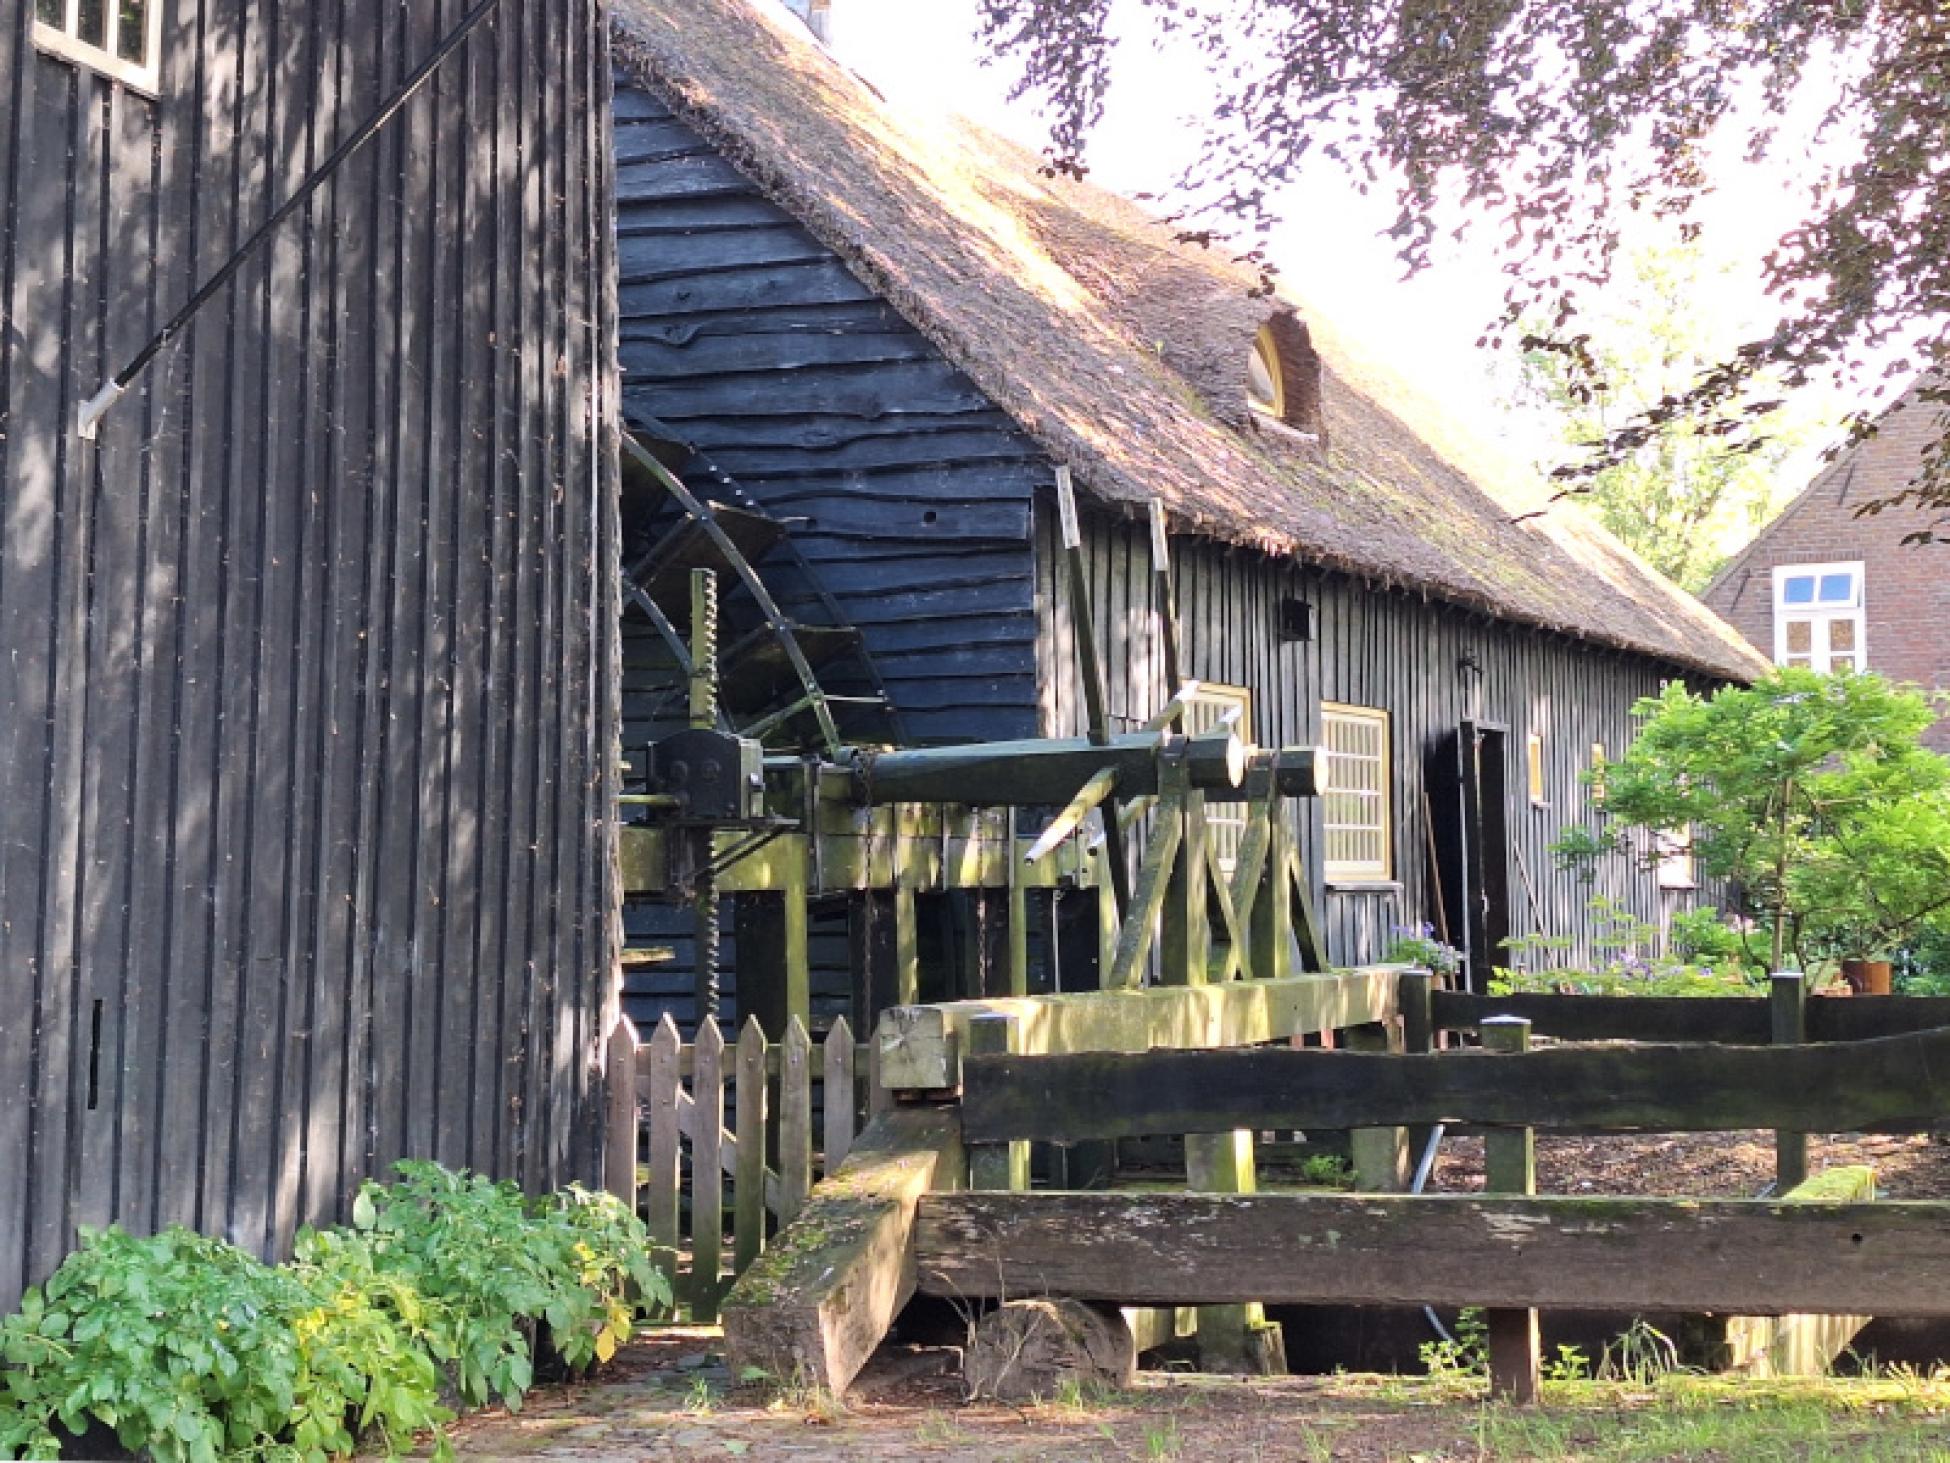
1468	786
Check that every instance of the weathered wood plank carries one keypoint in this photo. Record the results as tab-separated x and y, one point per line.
837	1107
1110	1094
748	1194
919	1045
623	1127
1743	1256
660	1203
1788	1027
707	1175
795	1120
819	1301
996	1165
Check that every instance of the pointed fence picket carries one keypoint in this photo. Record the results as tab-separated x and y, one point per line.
674	1126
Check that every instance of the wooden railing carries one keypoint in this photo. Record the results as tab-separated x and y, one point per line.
678	1099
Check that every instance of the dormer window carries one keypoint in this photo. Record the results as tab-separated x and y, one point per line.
1263	377
1283	375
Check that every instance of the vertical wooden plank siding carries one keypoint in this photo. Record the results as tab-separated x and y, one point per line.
308	666
1373	646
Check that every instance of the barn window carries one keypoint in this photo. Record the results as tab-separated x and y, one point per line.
1674	859
1355	802
1208	706
1599	762
1818	622
120	39
1533	751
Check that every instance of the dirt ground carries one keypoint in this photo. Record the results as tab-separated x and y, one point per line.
669	1394
1703	1165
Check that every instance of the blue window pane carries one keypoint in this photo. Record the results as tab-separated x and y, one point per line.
1837	588
1799	590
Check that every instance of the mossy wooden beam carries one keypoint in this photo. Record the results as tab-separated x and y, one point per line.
814	1306
1102	1093
1729	1020
1801	1345
920	1045
1742	1256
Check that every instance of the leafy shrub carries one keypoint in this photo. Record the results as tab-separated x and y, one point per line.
1703	959
193	1350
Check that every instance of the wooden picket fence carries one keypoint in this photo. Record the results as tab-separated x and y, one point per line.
671	1098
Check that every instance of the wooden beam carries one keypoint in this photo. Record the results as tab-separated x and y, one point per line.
1105	1094
1040	771
1788	1001
920	1046
1742	1256
1728	1020
814	1306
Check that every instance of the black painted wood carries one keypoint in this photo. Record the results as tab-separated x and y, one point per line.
908	492
306	665
1822	1087
1725	1019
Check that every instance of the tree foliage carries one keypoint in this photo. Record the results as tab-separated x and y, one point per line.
1683	495
1554	121
1811	792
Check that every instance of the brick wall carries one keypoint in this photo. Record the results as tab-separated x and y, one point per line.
1906	589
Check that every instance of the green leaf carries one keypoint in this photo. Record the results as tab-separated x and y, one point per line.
364	1216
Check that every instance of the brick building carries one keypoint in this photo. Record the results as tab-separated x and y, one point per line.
1822	587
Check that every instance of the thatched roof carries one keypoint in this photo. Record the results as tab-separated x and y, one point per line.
1125	354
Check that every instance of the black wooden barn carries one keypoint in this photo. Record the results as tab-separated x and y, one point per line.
307	660
886	335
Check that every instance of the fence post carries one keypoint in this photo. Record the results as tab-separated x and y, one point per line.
995	1165
838	1095
1510	1167
707	1169
1380	1154
1415	993
1788	996
620	1148
795	1119
749	1182
660	1205
1232	1338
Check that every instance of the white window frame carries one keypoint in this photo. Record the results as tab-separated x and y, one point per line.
1208	705
1380	799
1821	617
1674	863
65	41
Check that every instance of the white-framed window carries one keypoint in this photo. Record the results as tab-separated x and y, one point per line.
120	39
1818	620
1675	860
1356	804
1209	705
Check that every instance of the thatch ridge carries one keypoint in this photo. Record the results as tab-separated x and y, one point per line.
1124	353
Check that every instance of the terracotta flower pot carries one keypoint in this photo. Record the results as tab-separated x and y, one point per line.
1867	977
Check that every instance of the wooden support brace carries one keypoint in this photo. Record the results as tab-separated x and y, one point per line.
1381	1157
1510	1167
1788	993
1147	901
815	1306
1236	1338
996	1165
1801	1345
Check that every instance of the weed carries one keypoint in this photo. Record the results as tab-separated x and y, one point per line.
1327	1170
702	1399
1163	1440
938	1429
1641	1355
1465	1352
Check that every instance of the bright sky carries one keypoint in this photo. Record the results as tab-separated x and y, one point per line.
922	54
